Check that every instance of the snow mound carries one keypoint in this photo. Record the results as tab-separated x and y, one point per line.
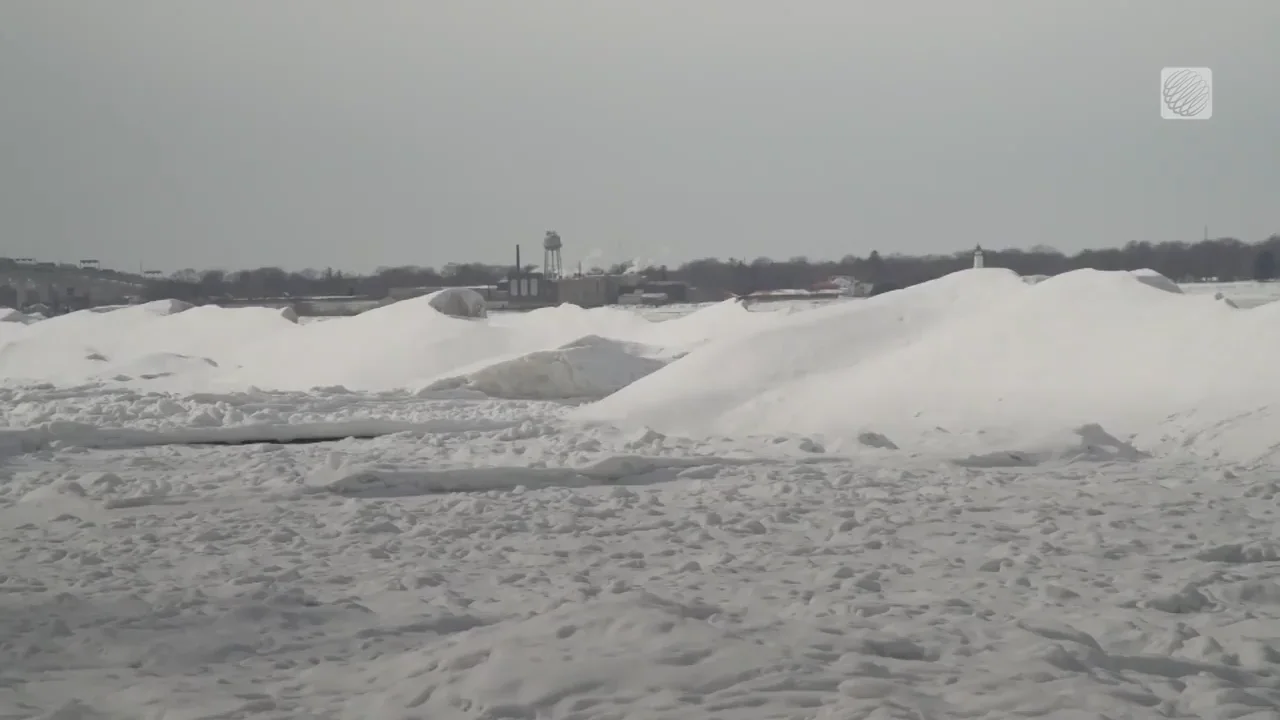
975	362
11	315
400	346
709	389
165	307
72	348
409	344
459	302
590	367
722	320
395	346
1156	280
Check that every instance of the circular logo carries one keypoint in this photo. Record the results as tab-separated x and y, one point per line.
1185	93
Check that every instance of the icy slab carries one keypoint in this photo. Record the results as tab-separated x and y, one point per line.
79	435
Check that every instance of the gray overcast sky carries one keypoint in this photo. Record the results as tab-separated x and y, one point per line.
241	133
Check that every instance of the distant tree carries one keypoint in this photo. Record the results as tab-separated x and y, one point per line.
213	283
170	289
875	268
1264	266
1221	259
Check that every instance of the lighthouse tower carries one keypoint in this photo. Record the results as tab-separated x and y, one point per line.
977	257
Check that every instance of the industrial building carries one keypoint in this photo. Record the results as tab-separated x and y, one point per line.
590	290
526	289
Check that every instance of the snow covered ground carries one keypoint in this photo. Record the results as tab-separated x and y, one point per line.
980	497
1245	294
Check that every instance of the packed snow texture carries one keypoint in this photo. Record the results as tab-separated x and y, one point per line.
981	497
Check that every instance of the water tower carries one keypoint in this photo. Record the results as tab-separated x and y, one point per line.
552	265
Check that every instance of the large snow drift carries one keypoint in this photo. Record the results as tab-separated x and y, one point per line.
977	361
85	345
406	345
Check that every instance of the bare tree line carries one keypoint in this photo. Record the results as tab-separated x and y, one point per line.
1222	259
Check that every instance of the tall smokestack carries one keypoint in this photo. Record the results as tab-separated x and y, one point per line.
517	258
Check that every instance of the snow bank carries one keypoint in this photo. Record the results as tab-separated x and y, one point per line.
405	345
975	362
722	320
84	346
12	316
165	307
591	367
704	390
1156	280
566	323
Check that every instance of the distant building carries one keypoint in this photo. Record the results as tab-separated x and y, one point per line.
792	294
977	257
675	291
590	291
405	293
524	290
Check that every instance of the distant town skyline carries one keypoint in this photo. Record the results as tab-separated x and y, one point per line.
241	134
142	269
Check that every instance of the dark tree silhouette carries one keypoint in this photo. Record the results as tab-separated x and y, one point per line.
1264	265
